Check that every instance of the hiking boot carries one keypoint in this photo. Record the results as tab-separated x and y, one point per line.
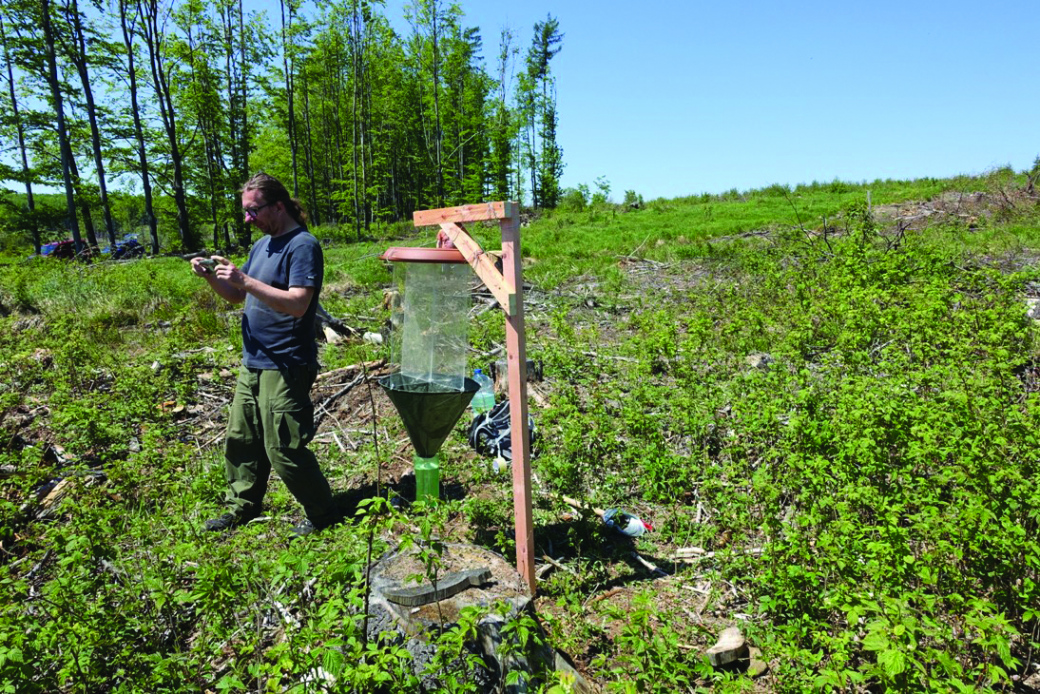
227	522
309	527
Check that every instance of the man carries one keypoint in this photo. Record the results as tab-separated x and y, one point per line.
272	418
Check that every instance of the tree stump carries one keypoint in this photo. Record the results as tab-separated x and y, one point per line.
413	613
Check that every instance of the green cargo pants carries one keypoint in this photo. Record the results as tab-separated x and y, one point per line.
271	423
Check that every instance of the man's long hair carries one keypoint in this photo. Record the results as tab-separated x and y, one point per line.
273	191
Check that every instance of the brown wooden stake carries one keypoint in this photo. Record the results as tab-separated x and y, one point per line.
507	287
516	356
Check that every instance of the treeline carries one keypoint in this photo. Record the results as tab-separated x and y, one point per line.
180	101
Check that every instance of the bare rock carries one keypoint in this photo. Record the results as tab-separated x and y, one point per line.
759	360
730	648
1033	308
756	666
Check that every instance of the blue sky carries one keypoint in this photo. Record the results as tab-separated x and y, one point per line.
679	98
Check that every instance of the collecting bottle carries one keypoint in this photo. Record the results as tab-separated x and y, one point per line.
427	478
484	400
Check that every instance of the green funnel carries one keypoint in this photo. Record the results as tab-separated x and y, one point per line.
428	409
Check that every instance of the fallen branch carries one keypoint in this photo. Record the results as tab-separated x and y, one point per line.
652	568
615	357
558	565
346	370
338	394
692	555
579	506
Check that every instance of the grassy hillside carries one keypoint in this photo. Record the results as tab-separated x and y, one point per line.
828	409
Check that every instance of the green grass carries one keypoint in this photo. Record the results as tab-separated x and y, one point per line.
868	497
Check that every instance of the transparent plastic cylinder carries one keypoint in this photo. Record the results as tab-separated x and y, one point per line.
430	324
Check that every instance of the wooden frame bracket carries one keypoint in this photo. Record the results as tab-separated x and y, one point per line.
507	288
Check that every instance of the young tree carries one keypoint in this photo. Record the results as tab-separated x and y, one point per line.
502	122
546	172
464	112
428	19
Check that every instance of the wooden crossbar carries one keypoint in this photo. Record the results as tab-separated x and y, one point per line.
481	212
484	265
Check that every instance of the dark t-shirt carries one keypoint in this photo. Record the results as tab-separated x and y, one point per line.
270	339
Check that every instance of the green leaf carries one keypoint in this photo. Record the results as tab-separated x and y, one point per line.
893	661
876	641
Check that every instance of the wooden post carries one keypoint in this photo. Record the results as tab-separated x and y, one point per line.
507	287
516	355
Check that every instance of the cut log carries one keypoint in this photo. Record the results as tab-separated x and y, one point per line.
468	576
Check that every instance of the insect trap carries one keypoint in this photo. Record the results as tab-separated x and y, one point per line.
429	339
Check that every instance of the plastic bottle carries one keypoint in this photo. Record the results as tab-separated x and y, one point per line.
625	523
484	399
427	478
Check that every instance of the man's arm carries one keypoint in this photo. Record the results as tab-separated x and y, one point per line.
293	301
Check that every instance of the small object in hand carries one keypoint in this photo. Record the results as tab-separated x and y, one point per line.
209	264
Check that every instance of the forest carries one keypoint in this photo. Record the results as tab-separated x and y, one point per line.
149	115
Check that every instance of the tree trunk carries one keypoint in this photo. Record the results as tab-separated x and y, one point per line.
289	65
309	149
84	206
30	203
366	145
439	133
209	136
79	58
355	54
63	135
142	152
233	113
154	39
244	96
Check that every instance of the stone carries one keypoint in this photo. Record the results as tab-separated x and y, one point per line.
756	666
730	648
759	360
331	336
1033	308
490	579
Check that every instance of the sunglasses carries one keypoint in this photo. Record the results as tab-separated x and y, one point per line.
254	211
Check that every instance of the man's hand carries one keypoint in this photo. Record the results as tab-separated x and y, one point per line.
443	240
227	271
225	279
